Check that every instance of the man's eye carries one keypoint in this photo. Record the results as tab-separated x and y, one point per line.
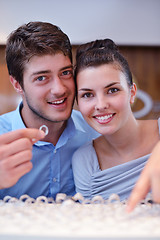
67	73
41	78
113	90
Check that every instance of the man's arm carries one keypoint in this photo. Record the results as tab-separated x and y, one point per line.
16	153
149	180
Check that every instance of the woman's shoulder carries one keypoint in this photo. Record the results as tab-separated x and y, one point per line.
150	124
85	149
85	155
150	133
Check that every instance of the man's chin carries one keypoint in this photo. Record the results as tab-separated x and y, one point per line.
61	117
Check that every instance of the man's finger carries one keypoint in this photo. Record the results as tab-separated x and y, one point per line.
15	147
30	133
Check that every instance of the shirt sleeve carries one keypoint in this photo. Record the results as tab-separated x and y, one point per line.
83	168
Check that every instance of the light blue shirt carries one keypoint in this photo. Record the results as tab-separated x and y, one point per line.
52	170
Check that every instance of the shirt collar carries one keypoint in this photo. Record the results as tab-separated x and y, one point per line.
73	126
78	120
17	122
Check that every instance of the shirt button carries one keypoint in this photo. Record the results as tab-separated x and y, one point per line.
55	150
54	180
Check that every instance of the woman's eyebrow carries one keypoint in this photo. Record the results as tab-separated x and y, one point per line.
85	89
111	84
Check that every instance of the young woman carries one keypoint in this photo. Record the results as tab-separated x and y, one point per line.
113	162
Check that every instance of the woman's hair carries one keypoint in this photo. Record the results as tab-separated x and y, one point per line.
100	52
34	39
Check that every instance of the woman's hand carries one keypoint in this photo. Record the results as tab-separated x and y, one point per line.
149	180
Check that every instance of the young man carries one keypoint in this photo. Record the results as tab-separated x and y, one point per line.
39	61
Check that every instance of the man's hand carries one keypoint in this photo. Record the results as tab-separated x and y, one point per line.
149	180
16	153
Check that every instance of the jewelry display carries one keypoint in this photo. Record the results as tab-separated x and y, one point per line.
78	217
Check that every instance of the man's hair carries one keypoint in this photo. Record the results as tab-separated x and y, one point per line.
34	39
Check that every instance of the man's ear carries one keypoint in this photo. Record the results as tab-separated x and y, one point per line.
16	85
133	93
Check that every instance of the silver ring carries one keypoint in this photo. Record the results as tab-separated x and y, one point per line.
44	128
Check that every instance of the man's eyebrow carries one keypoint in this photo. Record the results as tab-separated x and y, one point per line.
41	72
49	71
66	67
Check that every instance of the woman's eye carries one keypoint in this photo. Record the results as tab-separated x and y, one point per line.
113	90
87	95
41	78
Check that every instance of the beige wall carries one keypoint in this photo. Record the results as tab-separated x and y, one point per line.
144	63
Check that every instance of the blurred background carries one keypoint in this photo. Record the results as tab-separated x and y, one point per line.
133	24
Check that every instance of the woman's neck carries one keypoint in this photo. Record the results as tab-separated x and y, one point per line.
131	142
122	140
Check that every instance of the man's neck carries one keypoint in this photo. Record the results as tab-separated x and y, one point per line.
55	129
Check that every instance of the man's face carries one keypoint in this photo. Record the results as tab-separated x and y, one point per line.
48	88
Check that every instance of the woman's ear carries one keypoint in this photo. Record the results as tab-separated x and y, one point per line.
16	85
133	93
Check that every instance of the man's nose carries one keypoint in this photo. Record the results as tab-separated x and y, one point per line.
58	86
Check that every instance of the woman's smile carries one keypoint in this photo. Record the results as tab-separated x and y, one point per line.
104	119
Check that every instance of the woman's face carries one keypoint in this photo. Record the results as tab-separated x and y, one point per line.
104	97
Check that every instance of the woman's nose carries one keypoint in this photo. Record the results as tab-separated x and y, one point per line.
101	104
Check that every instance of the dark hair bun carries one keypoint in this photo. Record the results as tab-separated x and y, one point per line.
107	44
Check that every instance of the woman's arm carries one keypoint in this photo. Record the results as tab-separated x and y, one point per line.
149	180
